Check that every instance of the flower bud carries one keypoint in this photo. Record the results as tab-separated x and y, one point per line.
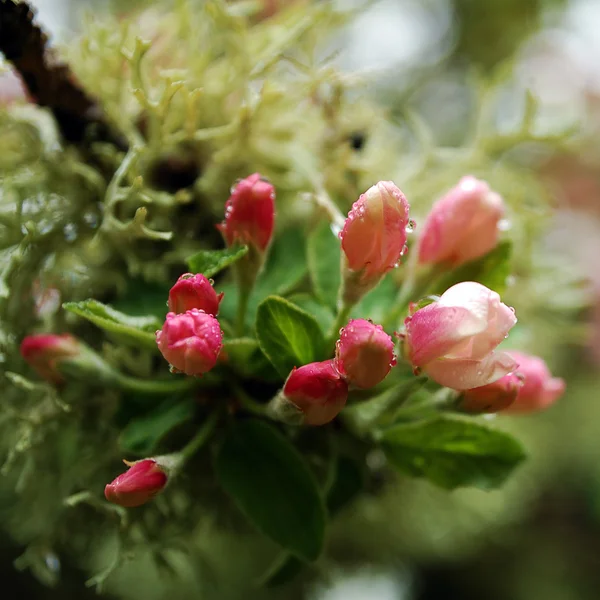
314	394
45	352
373	237
364	353
191	341
540	389
250	213
194	291
462	225
454	339
493	397
140	483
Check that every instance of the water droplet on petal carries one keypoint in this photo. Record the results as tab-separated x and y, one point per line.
504	225
410	226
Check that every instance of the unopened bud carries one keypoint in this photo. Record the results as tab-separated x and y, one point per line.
313	394
364	353
462	225
45	352
140	483
250	213
493	397
373	238
540	389
194	291
190	342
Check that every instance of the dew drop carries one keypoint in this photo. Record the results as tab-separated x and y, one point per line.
393	362
234	185
410	226
417	370
504	225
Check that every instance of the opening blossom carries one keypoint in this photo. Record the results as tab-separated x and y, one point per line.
313	394
194	291
250	213
493	397
454	339
364	353
463	225
540	389
44	353
140	483
373	237
191	341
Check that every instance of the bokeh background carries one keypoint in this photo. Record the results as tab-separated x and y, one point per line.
539	537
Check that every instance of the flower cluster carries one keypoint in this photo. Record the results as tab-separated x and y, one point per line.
453	338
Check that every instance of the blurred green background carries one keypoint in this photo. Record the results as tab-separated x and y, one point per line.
539	537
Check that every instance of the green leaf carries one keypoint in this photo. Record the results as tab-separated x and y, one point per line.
453	452
285	269
491	270
286	265
376	304
349	481
287	335
144	298
323	253
323	315
271	484
138	331
210	262
246	357
142	434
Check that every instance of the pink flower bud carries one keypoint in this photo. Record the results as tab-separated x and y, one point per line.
540	389
315	393
140	483
493	397
194	291
250	213
453	339
364	353
374	234
463	225
191	341
44	353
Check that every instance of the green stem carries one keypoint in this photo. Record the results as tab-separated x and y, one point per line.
154	386
340	321
242	308
248	403
201	437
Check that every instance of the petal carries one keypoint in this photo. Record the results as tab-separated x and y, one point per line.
435	330
465	374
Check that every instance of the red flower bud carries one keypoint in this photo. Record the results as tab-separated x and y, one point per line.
194	291
44	353
540	389
140	483
315	393
493	397
463	225
374	234
250	213
364	353
191	342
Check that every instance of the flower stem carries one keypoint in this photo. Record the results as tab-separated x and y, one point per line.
156	386
201	437
248	403
242	308
340	321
